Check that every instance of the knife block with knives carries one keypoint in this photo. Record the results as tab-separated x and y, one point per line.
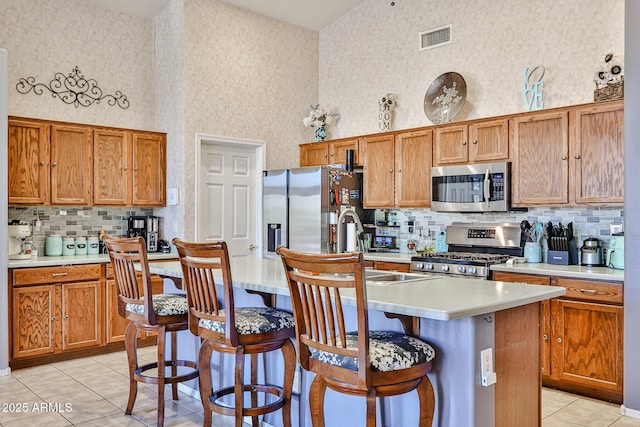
562	248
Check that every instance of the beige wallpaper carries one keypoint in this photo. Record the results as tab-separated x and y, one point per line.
373	50
48	36
245	76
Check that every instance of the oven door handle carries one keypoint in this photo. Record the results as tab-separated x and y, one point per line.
487	187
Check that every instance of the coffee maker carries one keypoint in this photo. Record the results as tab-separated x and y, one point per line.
145	227
18	234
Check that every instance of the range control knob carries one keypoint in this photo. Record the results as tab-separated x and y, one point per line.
428	266
445	267
419	265
473	270
462	269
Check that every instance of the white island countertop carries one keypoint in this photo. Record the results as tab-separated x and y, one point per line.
439	298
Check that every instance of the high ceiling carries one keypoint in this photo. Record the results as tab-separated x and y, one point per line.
311	14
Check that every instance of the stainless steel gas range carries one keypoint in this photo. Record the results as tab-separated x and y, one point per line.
473	248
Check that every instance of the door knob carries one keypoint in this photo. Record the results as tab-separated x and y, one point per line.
252	247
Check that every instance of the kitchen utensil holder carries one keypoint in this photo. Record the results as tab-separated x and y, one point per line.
569	257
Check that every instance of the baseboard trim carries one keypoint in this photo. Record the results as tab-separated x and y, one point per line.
189	390
5	372
628	412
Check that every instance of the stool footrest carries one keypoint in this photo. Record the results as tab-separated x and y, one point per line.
223	409
153	379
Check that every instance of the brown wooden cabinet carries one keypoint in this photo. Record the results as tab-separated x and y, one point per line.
569	156
56	309
28	161
597	154
54	163
329	152
130	168
401	267
581	335
397	169
477	142
71	165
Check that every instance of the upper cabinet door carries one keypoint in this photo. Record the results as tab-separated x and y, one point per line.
338	151
71	165
112	176
540	144
489	141
450	145
149	165
379	171
314	154
597	154
28	162
413	151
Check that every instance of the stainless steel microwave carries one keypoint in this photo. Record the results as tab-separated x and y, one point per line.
480	187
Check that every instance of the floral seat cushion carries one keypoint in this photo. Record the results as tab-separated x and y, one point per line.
388	351
253	320
163	305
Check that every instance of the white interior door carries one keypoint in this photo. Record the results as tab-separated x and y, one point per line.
229	194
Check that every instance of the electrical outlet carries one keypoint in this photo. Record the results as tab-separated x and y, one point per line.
63	213
297	380
486	366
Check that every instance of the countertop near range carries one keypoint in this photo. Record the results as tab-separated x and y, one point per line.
52	261
434	297
388	257
571	271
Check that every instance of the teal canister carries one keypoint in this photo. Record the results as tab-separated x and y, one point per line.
53	245
533	252
93	246
68	246
81	245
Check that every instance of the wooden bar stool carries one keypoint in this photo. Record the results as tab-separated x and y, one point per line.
240	331
362	363
159	313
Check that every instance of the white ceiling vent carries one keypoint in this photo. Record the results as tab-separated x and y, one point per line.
435	37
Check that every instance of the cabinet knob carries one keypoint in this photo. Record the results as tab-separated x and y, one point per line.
125	168
66	316
464	142
325	154
399	170
54	164
564	157
577	156
559	340
41	163
545	337
333	154
135	169
53	317
475	141
390	170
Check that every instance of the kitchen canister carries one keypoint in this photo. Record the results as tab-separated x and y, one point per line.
81	245
53	245
68	246
533	252
93	245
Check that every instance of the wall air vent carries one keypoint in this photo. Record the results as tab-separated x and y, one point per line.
435	37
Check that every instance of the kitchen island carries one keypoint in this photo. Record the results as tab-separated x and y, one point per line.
459	317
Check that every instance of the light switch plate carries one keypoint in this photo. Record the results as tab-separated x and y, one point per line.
172	196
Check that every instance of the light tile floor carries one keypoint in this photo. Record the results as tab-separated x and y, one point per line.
95	391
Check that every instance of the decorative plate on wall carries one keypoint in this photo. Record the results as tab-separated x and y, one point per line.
445	97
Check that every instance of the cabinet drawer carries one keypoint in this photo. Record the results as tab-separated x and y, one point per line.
588	290
392	266
40	275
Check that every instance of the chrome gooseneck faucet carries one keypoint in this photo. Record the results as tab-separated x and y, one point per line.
352	213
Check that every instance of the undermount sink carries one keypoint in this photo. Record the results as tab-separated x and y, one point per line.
384	278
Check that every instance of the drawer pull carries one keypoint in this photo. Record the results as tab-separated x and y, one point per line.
59	274
560	340
589	291
545	337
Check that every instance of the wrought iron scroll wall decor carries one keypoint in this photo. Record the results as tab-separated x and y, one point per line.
73	89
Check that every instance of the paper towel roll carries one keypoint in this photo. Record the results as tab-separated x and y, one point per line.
351	237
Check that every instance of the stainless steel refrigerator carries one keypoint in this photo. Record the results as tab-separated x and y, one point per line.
302	207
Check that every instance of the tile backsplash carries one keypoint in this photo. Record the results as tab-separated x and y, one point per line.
76	221
587	221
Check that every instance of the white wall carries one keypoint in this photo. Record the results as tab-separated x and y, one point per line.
373	50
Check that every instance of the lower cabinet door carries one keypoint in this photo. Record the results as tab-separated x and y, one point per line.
81	315
587	344
36	325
